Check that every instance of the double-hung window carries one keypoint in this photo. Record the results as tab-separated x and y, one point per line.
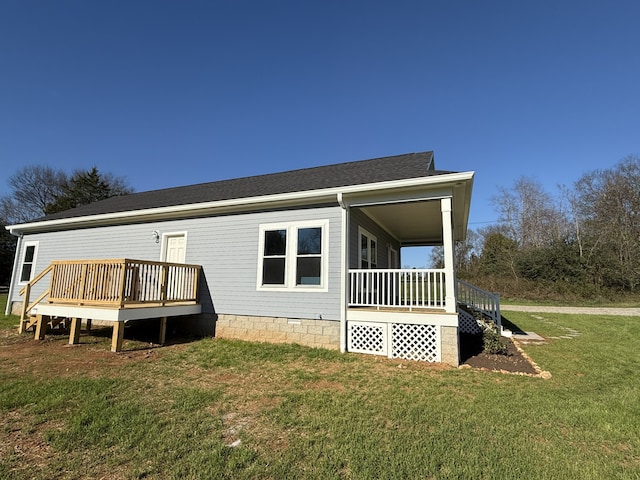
27	267
274	259
293	256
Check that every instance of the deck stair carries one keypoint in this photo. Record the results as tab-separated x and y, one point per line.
61	323
477	307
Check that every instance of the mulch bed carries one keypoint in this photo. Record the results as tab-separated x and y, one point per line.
471	354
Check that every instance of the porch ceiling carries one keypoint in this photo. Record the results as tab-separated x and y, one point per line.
412	213
412	223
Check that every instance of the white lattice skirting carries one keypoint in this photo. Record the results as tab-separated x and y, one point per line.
395	340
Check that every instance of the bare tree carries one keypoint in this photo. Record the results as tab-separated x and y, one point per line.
466	253
608	203
529	214
34	188
571	207
38	191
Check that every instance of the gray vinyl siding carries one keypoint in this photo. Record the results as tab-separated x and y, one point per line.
359	219
227	249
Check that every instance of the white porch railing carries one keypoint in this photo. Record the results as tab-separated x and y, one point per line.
478	299
416	288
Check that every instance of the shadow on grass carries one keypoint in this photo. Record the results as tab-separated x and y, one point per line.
508	324
139	335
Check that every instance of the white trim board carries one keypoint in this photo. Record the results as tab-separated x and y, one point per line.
115	314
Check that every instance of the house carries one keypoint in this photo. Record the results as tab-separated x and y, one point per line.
309	256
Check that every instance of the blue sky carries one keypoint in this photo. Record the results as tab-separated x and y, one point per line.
170	93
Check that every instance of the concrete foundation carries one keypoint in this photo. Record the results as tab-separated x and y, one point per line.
449	346
311	333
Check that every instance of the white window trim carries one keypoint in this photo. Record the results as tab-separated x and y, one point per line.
25	245
392	252
370	236
291	255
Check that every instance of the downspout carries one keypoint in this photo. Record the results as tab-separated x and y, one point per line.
344	242
14	273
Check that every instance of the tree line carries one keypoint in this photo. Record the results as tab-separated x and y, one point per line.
581	242
37	191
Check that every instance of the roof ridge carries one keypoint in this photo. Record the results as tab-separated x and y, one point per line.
293	171
358	172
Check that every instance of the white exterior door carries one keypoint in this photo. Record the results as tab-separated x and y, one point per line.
175	248
175	251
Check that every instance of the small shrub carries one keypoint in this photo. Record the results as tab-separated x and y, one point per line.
492	342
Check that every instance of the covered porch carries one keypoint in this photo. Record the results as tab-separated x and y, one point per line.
402	314
112	290
411	313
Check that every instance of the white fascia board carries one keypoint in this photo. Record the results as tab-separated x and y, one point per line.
116	314
237	204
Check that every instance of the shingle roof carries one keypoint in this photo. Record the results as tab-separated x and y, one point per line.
399	167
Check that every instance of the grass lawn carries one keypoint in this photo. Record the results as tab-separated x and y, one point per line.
227	409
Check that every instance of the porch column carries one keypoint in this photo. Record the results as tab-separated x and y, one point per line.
447	244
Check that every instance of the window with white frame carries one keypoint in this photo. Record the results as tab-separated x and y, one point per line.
27	266
368	248
293	256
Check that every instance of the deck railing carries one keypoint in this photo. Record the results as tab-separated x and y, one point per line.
480	300
122	282
416	288
116	283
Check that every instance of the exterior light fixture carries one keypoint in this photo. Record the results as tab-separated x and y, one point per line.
156	236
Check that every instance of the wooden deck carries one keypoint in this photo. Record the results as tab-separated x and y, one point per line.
114	290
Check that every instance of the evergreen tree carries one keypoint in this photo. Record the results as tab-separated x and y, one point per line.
84	187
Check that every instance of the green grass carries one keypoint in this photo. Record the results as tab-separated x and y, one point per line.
6	321
307	413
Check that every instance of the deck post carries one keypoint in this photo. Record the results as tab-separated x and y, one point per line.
163	330
25	305
88	326
118	336
74	334
41	327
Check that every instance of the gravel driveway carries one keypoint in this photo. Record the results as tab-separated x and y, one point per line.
578	310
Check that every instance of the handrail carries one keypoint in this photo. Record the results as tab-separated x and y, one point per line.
26	291
36	279
486	302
